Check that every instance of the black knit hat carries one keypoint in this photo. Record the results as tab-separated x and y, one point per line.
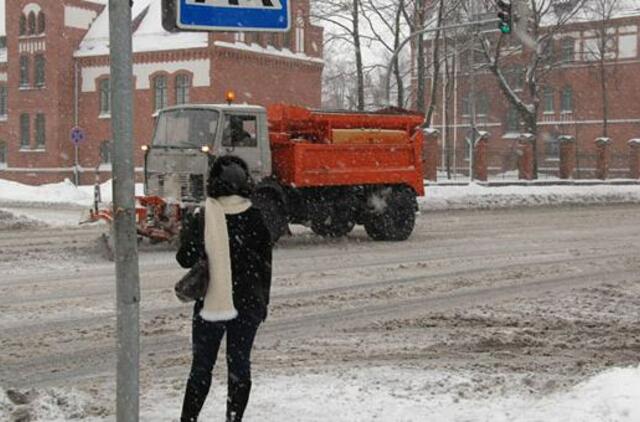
229	175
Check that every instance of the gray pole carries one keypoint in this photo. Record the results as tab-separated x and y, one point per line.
126	251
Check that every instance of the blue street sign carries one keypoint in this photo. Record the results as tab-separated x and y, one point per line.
77	136
228	15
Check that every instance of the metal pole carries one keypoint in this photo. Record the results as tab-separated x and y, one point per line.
76	169
420	32
126	252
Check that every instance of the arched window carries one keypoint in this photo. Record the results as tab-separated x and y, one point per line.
566	101
160	92
24	71
183	83
300	34
3	155
549	100
23	25
25	131
105	97
40	130
41	23
567	49
39	72
3	101
31	23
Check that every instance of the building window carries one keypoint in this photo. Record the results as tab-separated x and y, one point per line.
567	50
160	92
566	101
513	120
239	37
552	148
466	105
31	23
41	23
106	152
39	70
183	83
548	100
286	40
482	104
25	131
24	71
3	102
300	35
105	97
515	76
3	155
23	25
40	130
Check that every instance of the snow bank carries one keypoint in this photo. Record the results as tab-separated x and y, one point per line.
381	393
55	193
483	197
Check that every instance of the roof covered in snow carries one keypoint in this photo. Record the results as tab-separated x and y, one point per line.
590	11
149	35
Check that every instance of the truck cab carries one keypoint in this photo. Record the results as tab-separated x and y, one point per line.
188	137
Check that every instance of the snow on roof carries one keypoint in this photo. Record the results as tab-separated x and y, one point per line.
593	10
256	48
150	36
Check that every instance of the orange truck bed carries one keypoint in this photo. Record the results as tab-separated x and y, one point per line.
313	148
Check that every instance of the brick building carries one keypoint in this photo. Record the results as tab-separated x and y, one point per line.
54	75
571	102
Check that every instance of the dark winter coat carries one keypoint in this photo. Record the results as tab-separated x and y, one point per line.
250	248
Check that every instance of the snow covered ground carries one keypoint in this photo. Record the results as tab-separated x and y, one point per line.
388	394
28	201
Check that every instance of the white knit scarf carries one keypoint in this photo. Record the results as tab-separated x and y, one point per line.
218	301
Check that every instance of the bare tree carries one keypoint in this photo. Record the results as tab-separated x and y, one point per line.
602	48
344	16
547	19
385	23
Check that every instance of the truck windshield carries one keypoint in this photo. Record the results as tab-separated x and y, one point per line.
187	128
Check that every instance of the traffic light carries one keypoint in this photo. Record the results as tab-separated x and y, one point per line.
505	16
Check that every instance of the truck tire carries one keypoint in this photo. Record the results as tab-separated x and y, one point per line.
337	217
331	228
396	219
273	212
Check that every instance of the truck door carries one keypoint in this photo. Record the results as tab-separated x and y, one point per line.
242	136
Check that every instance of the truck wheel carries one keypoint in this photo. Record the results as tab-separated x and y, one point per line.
274	213
331	228
393	214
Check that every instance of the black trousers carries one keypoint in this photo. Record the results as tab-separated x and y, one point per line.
206	339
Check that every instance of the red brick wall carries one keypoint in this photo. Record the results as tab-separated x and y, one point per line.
257	78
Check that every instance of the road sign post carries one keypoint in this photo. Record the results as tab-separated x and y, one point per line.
226	15
77	137
126	248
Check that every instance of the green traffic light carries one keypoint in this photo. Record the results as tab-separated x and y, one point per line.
505	28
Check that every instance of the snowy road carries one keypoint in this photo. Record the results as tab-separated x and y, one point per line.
495	294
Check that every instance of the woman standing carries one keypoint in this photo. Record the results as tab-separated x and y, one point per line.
232	235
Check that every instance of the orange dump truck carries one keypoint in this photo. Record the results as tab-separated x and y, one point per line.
326	170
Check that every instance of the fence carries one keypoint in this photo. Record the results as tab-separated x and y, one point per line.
514	160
